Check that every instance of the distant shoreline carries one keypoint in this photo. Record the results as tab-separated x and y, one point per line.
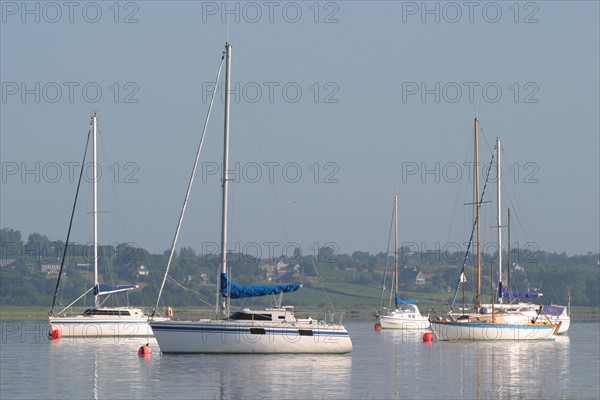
17	313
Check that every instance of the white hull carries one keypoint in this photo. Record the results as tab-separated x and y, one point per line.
565	323
81	326
117	322
222	336
390	322
408	318
482	331
531	311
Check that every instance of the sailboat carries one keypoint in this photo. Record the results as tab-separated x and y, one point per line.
97	321
555	314
480	325
406	314
272	330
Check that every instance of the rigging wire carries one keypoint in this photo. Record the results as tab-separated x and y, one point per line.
321	281
187	195
201	295
459	191
475	222
62	262
109	272
387	257
255	130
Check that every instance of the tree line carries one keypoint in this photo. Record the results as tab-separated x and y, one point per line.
22	282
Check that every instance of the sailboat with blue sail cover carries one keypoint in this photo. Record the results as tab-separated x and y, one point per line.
272	330
512	302
99	320
479	325
406	314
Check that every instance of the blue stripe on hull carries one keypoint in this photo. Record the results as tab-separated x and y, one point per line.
245	330
486	325
95	322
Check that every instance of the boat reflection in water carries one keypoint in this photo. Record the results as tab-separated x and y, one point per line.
515	369
254	376
106	367
410	334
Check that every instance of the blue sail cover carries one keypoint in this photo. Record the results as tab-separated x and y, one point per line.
507	293
399	301
238	291
107	289
554	311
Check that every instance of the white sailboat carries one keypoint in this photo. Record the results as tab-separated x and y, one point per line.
98	321
482	326
406	314
557	315
273	330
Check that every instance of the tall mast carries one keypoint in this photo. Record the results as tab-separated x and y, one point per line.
95	206
225	182
508	252
477	208
396	248
499	212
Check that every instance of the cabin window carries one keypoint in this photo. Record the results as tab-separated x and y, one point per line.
305	332
106	312
242	316
258	331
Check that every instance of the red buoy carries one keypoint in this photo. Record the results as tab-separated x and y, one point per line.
55	334
377	327
145	350
427	337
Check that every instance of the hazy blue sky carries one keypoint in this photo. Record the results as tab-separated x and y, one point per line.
341	103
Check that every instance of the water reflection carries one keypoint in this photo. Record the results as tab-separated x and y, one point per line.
231	376
516	369
400	365
384	365
391	364
95	368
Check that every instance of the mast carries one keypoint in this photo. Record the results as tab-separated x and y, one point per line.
508	244
225	182
396	249
492	290
95	206
499	212
477	208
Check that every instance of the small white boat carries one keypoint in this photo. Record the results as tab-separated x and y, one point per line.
118	322
406	315
519	312
99	321
273	330
553	313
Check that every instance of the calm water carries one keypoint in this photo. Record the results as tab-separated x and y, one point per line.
385	365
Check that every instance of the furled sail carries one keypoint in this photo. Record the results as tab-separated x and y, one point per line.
235	291
399	301
108	289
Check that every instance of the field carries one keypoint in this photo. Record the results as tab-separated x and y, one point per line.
313	301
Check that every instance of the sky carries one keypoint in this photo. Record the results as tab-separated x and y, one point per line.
337	107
